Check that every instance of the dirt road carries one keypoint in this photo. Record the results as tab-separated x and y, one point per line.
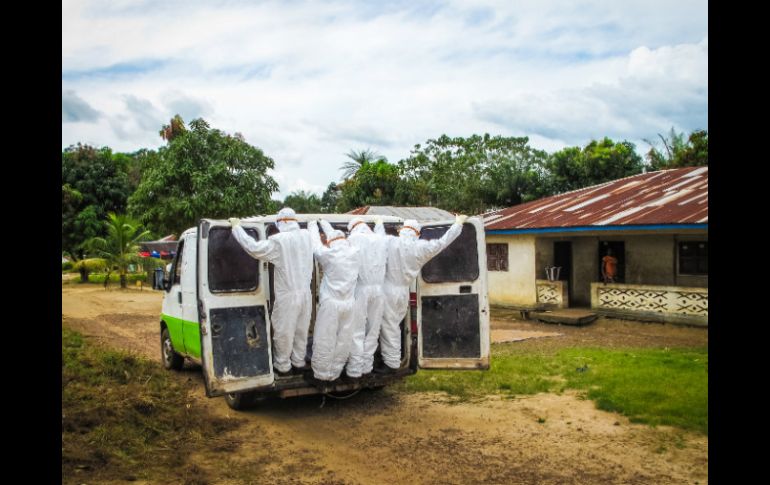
381	437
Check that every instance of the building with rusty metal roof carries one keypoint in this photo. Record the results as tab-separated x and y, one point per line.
637	246
418	213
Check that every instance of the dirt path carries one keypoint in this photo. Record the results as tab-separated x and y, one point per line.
380	437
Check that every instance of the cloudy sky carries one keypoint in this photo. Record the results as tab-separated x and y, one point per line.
308	81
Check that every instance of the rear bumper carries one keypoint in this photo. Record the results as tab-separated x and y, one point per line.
302	386
340	385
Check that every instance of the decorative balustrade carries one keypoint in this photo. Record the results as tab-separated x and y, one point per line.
674	304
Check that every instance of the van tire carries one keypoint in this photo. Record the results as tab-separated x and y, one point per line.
171	359
240	401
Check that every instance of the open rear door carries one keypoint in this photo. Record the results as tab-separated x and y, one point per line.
452	302
232	307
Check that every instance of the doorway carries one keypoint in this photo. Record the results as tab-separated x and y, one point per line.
562	257
618	250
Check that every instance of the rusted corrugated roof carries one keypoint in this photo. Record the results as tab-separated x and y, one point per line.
678	196
359	211
418	213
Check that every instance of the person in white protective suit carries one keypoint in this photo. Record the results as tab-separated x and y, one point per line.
370	305
407	254
291	252
333	330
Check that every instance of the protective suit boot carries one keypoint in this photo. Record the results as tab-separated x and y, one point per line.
385	370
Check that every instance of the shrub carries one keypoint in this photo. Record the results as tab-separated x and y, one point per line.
115	278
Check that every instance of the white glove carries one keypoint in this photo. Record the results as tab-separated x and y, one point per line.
234	222
378	220
460	219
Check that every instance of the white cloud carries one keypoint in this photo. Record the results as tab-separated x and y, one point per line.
74	108
655	90
309	81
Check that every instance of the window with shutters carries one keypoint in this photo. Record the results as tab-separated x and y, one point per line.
497	257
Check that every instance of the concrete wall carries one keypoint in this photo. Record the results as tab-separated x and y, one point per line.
515	287
585	260
544	255
650	260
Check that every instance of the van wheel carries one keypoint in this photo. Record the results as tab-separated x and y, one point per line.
240	401
171	360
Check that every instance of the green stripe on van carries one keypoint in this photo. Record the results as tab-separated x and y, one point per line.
185	335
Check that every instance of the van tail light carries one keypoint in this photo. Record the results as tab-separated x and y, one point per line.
413	312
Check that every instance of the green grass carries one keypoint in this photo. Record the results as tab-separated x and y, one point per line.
652	386
126	418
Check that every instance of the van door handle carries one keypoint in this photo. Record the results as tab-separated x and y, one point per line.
465	289
179	296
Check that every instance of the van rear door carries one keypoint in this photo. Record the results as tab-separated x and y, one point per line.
232	305
452	302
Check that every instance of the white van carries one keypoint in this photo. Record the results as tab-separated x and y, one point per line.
218	302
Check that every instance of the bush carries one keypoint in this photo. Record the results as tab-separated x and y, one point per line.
115	278
92	264
67	265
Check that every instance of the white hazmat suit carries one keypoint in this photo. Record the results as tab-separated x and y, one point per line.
291	252
407	254
370	305
333	331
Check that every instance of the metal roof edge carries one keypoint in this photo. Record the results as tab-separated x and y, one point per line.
630	227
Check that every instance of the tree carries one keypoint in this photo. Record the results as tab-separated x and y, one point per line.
330	198
359	159
121	245
174	129
202	172
94	183
136	164
303	202
471	174
680	153
598	162
273	206
374	184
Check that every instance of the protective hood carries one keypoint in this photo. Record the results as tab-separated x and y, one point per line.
286	220
410	230
336	238
358	226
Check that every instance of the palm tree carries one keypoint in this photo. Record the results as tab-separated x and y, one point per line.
121	245
357	160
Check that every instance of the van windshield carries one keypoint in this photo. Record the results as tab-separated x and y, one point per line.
230	268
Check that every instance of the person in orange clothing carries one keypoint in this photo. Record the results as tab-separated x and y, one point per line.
609	267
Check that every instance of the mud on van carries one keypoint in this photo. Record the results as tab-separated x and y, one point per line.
218	301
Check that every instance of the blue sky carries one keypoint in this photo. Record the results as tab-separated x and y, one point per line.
309	81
